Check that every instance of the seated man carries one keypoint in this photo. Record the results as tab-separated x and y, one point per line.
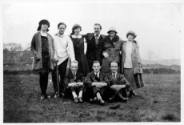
96	82
118	83
74	81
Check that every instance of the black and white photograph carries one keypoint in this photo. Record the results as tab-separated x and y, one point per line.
91	61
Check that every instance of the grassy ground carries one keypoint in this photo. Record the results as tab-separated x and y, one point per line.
159	100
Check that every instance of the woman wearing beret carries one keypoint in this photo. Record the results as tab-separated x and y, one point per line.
43	51
111	49
131	62
80	49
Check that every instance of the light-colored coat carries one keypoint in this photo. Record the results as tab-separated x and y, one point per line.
135	56
36	48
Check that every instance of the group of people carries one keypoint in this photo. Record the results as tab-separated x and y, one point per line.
91	67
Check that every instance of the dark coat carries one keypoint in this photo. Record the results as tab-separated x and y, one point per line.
120	79
94	52
90	78
36	48
71	78
113	48
78	44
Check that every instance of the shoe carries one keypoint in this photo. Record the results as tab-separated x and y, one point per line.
124	99
76	100
42	98
80	100
132	93
111	99
48	96
102	102
56	95
61	94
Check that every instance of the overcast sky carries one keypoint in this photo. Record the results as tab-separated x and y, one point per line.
158	25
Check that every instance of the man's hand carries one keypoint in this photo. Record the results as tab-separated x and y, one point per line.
99	84
80	83
117	87
72	84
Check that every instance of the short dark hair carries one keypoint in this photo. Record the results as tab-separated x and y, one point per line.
113	62
43	22
61	23
98	25
75	27
96	61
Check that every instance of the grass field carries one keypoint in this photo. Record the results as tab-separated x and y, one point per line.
159	100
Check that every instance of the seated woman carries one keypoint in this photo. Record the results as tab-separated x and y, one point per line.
74	81
96	82
118	84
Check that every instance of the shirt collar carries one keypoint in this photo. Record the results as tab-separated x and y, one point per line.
97	35
76	36
43	33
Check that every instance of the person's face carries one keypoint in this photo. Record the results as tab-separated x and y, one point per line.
77	31
112	34
74	67
44	27
96	67
61	29
130	37
97	29
114	67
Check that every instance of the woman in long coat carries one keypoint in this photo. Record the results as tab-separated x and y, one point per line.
131	62
111	49
80	49
43	51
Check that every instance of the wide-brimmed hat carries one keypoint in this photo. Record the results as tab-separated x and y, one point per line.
131	33
112	29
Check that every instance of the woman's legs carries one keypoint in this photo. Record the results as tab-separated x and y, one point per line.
44	82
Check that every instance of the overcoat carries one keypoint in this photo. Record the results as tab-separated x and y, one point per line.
36	48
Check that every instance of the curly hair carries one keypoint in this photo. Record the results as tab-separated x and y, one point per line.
76	26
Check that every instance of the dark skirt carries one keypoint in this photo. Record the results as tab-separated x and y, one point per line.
135	80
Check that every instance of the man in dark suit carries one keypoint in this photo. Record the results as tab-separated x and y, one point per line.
118	85
95	43
96	81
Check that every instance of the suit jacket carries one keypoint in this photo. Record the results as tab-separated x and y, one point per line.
36	48
79	77
90	78
119	80
94	52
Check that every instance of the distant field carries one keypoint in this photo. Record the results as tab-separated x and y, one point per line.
159	100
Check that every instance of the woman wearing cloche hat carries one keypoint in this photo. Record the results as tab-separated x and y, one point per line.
112	48
131	62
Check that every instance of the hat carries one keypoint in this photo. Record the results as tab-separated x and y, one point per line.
131	33
112	29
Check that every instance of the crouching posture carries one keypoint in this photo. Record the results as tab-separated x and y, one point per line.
74	82
96	82
118	85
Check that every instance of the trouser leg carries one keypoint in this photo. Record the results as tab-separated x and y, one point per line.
62	72
43	82
54	80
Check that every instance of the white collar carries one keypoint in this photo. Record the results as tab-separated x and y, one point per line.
61	36
98	35
43	33
76	36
